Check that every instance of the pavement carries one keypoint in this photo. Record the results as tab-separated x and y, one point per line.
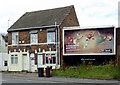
34	76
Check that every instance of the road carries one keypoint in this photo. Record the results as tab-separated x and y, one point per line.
34	80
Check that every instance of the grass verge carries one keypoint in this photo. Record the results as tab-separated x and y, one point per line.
108	71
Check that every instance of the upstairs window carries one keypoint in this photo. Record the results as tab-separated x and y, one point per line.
33	37
50	36
15	38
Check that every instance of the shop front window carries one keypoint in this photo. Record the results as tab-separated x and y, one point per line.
50	59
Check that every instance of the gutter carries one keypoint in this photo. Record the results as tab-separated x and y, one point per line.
59	43
30	28
89	27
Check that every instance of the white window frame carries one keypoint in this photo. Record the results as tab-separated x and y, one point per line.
53	55
33	37
50	36
14	59
15	38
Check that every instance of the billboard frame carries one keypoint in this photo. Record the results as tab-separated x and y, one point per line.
78	28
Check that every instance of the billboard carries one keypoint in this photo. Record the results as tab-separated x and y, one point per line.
89	41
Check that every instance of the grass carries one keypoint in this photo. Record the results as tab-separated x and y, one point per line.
108	71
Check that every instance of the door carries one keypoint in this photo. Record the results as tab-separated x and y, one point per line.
32	60
40	60
25	62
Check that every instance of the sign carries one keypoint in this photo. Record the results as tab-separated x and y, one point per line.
32	58
49	57
89	41
87	59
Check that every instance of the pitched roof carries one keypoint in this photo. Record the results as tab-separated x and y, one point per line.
3	37
42	18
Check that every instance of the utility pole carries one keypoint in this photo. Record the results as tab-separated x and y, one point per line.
8	23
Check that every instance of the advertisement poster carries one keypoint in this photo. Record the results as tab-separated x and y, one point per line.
92	41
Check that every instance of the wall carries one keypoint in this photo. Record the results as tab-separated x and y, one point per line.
70	20
25	36
3	54
25	46
19	66
3	45
4	58
0	61
118	44
9	38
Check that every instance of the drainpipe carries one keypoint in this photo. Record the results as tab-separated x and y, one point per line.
56	46
59	42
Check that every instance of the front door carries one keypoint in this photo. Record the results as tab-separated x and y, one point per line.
40	60
25	65
32	59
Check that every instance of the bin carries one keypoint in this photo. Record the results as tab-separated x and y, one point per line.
40	72
48	71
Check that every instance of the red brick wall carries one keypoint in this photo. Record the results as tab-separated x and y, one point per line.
70	20
118	36
118	44
24	36
42	36
9	38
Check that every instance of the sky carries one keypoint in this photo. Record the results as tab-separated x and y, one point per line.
89	12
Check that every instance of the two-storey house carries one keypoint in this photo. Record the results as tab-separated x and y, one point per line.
35	39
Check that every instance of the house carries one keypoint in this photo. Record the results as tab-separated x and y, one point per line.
35	39
3	54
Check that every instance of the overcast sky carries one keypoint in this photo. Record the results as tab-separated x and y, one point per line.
89	12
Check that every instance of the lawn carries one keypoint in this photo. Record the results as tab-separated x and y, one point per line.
108	71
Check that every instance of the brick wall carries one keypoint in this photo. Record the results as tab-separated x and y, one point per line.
25	36
42	36
70	20
118	44
9	38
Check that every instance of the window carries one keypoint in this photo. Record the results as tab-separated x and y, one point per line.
14	59
50	36
15	38
34	37
5	63
50	59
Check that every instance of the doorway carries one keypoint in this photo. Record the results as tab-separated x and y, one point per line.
40	60
32	60
25	62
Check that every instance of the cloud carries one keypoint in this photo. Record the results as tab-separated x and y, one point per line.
89	12
99	13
